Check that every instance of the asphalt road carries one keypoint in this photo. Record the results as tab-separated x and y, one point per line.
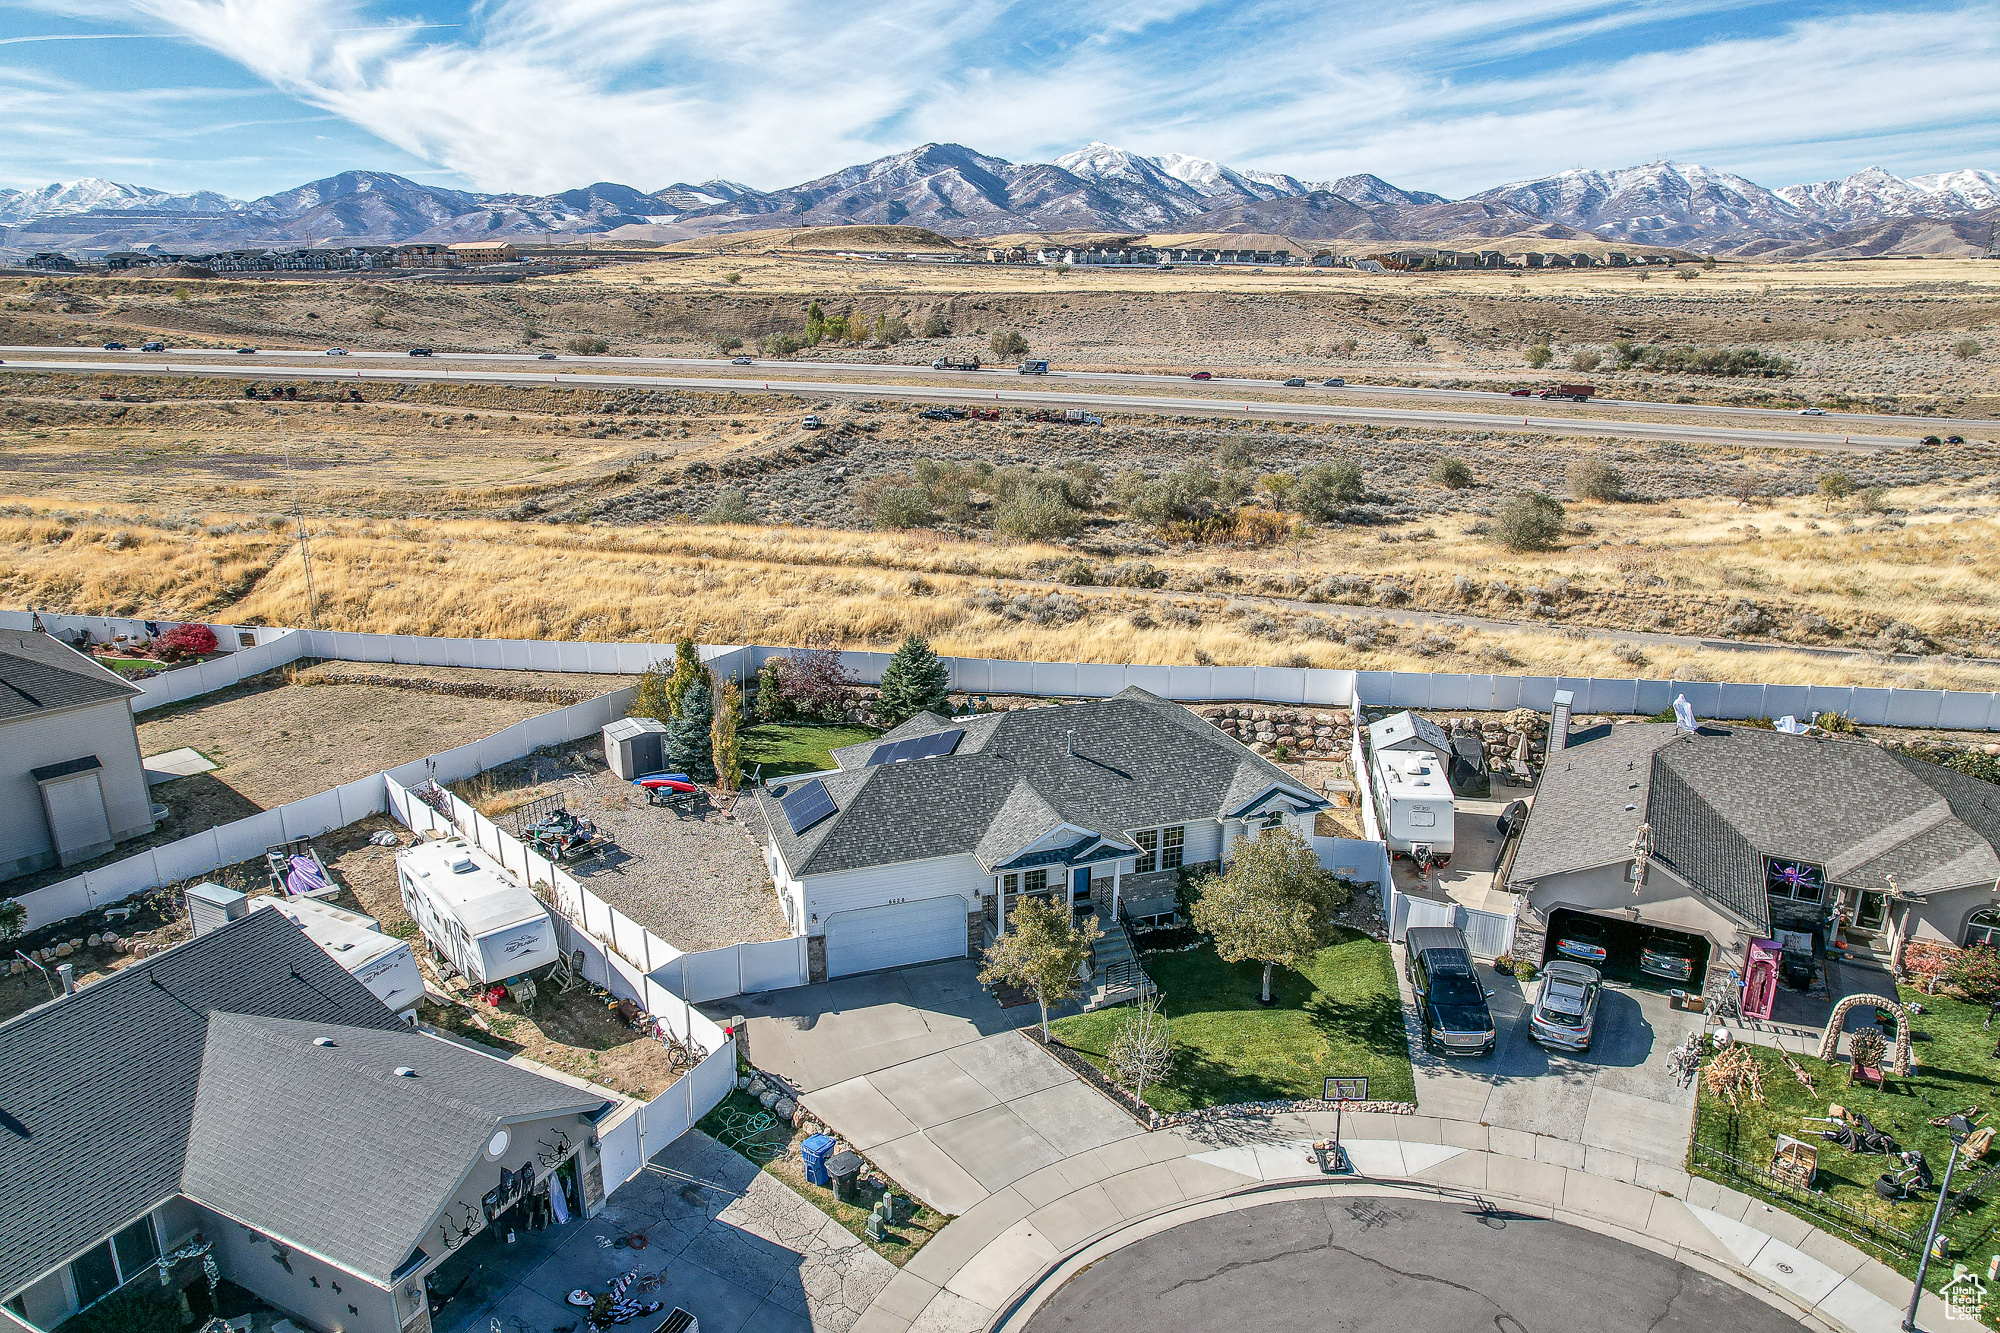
1920	426
345	371
1367	1264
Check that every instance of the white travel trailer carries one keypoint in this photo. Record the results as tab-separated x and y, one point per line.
1413	803
382	963
475	915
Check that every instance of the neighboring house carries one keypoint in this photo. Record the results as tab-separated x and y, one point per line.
243	1097
922	841
1714	838
72	783
485	252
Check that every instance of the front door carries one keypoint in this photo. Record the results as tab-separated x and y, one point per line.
1080	887
1872	911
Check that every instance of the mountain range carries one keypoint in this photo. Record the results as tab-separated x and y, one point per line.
958	192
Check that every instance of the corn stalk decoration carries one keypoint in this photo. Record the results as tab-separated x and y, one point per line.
1735	1075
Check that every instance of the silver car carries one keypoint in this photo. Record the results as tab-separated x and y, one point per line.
1566	1008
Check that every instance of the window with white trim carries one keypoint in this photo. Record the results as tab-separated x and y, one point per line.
1173	842
110	1264
1034	881
1149	851
1983	928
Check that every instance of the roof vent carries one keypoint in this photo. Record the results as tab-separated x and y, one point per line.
460	863
324	1041
404	1071
1069	742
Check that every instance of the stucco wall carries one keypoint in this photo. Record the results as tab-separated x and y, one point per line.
248	1258
104	730
876	885
1942	916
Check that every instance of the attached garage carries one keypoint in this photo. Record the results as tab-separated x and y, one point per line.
1637	953
898	935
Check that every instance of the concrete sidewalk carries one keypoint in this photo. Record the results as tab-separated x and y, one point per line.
987	1269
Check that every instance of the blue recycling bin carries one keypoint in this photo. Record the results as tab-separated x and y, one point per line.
815	1150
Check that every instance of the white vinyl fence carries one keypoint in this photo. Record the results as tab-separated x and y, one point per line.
1487	934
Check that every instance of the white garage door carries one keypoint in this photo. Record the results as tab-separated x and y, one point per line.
895	936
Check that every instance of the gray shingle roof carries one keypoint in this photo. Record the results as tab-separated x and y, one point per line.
1140	761
39	675
1723	799
349	1158
97	1090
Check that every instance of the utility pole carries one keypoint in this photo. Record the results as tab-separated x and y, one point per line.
298	520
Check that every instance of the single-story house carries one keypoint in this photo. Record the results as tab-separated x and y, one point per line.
1727	834
72	782
241	1100
919	843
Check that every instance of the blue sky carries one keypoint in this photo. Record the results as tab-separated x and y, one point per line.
252	96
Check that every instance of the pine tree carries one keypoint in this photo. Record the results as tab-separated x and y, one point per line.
724	745
687	665
687	747
916	679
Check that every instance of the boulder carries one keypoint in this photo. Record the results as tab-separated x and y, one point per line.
785	1109
767	1098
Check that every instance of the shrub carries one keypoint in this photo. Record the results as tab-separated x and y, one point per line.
729	343
1835	486
1418	338
815	683
1452	473
891	329
1873	500
1595	479
1528	522
1007	343
1585	360
1687	359
935	327
1077	574
1186	494
185	641
131	1314
904	507
1327	488
1539	355
732	278
1966	348
1037	512
772	705
1976	972
730	505
588	344
782	344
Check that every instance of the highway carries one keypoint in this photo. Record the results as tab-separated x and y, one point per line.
1029	395
1917	426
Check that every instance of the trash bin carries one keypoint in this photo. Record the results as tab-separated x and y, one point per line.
815	1150
845	1168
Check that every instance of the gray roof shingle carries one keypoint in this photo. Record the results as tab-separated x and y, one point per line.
40	675
1139	761
1580	816
352	1159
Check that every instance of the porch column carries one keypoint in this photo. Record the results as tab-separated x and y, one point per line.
1000	898
1069	888
1114	888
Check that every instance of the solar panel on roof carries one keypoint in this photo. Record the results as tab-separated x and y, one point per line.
917	747
807	804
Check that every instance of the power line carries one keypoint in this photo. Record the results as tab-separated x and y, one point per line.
298	519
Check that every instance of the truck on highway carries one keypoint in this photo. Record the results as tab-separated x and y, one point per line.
1576	393
956	363
1034	367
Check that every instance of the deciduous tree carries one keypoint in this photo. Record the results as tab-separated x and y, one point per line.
1043	952
725	745
1273	903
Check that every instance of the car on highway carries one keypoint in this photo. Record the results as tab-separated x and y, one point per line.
1566	1008
114	347
741	361
420	351
1335	383
1811	412
546	356
1520	393
152	347
336	351
246	351
1201	375
1295	383
1450	1000
1954	439
1930	439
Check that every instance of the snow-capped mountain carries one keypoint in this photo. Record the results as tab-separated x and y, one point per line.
1366	189
1215	181
1660	203
1872	194
93	194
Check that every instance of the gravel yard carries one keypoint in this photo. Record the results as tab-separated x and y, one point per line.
696	880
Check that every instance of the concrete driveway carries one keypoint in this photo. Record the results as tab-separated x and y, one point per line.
1607	1111
925	1075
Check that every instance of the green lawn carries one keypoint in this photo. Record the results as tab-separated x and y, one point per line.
126	665
1341	1015
787	748
1955	1069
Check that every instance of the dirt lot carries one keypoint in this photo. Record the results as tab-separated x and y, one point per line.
697	880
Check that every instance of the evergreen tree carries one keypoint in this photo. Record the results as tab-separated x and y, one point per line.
724	745
687	665
688	748
915	679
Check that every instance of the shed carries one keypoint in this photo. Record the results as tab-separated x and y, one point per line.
633	746
1407	731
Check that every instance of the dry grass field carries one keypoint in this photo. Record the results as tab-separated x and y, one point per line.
645	513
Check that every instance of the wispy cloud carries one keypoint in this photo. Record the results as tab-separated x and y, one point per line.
1452	95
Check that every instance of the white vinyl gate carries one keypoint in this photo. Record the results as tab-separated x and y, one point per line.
1487	934
898	935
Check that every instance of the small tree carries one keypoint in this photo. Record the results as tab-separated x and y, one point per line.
730	505
1007	342
185	641
1327	488
816	683
935	327
1528	522
772	705
1835	487
1539	355
588	344
1142	1052
1273	903
687	666
1585	360
654	696
1595	479
900	507
12	917
725	746
1452	473
688	747
1966	348
1976	972
915	680
1043	952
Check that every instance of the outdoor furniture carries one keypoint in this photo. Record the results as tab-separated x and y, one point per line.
297	871
1865	1075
